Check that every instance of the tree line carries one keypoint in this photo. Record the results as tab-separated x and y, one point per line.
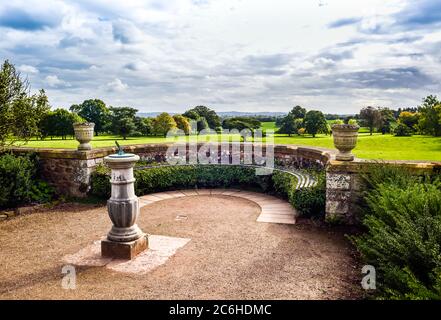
24	116
423	119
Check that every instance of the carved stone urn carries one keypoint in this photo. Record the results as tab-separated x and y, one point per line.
125	239
345	140
84	134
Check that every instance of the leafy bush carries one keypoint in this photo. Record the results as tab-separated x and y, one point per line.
401	130
284	184
311	201
308	201
19	183
403	238
100	182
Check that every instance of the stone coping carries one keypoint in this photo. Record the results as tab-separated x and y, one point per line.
305	151
359	165
273	210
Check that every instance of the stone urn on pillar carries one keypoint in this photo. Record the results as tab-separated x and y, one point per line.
84	134
125	239
345	139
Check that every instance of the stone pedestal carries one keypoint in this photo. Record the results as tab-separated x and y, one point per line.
123	250
125	239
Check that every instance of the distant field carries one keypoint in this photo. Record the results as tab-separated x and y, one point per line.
378	146
269	125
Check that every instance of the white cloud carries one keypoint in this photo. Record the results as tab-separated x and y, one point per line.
27	69
117	85
126	32
54	81
168	56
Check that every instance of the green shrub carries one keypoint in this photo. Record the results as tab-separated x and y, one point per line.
308	201
284	184
311	202
403	238
19	183
402	130
100	182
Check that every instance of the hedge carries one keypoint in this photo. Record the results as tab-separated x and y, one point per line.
310	201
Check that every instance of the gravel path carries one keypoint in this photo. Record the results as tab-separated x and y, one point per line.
230	255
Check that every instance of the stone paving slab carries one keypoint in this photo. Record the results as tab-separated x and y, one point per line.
189	192
204	192
230	192
270	219
150	198
161	248
218	191
175	194
163	195
274	210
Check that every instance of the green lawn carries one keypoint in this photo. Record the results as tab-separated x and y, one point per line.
378	146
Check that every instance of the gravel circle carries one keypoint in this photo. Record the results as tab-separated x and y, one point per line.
230	255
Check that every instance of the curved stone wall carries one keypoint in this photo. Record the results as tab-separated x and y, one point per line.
69	170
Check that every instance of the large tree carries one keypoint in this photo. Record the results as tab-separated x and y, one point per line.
163	123
315	122
298	112
144	125
371	118
182	123
430	113
387	120
123	121
210	115
410	119
94	110
20	112
59	123
290	125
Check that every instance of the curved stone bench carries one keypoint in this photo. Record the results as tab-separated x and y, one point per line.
273	210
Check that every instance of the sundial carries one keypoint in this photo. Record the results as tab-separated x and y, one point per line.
121	153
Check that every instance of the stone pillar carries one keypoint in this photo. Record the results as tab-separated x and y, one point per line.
343	192
125	240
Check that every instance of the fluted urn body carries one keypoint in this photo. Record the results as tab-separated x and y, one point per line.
84	134
345	140
123	205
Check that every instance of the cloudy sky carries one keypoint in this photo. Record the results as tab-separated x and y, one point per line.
244	55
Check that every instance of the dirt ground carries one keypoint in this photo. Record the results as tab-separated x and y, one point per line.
230	255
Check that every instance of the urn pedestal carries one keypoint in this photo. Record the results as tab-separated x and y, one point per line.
84	134
345	139
125	239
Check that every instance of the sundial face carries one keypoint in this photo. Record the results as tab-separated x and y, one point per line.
120	150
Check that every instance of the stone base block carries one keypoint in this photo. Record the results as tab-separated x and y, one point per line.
123	250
